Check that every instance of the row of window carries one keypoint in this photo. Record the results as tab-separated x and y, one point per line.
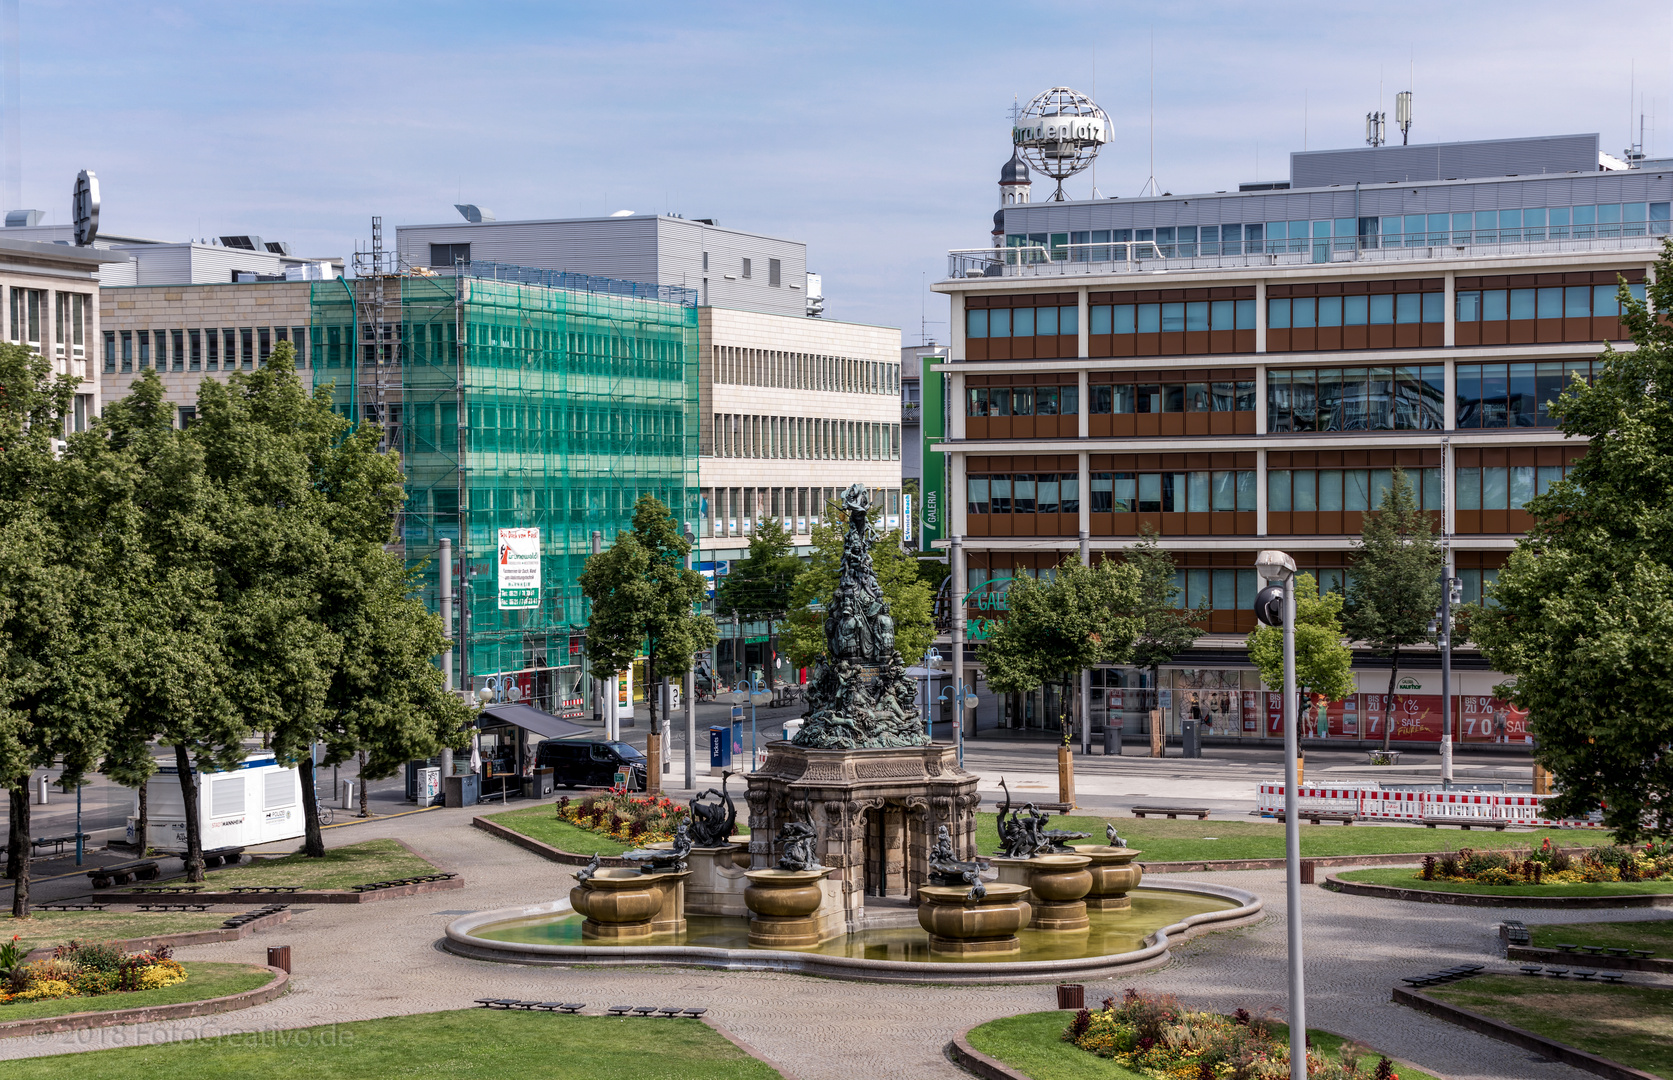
212	349
1601	221
1169	318
733	511
740	435
1382	309
1502	487
805	371
1024	401
1514	395
1410	398
1554	302
1345	489
72	314
1198	492
1119	398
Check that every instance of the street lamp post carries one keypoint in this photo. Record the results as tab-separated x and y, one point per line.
690	686
1277	601
1441	627
755	688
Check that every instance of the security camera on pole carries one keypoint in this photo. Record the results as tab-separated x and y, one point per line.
1275	606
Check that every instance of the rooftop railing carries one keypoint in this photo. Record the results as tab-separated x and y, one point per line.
1149	257
559	279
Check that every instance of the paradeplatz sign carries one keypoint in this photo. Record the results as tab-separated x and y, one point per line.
519	568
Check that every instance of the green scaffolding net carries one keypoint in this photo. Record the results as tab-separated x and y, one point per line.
564	406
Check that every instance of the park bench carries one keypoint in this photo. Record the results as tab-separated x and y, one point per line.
72	905
619	1010
1172	812
250	916
103	877
173	906
695	1013
56	842
1565	946
497	1003
1532	969
1515	932
1584	974
571	1007
230	856
1610	976
1466	823
1322	816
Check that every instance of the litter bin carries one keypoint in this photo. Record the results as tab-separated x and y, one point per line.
348	795
1191	734
1112	739
463	790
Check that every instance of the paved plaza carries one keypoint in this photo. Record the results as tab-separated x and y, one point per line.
361	962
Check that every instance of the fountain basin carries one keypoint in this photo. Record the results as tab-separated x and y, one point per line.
1118	942
1114	875
621	904
783	908
960	926
1058	885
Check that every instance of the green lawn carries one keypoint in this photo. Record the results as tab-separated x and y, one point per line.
467	1042
1185	841
342	868
49	928
1033	1044
203	981
542	823
1406	878
1629	1024
1653	934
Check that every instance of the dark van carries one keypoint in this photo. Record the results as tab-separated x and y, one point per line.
575	763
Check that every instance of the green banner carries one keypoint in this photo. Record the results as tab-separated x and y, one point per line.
933	429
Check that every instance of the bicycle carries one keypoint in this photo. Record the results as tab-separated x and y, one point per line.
326	814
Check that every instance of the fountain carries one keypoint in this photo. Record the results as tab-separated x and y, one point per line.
860	807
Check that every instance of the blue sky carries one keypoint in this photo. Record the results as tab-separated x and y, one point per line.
874	132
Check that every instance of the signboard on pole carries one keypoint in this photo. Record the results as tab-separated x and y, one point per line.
519	568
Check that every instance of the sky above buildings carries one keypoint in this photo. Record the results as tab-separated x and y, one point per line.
874	132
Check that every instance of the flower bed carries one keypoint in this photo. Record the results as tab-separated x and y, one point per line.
82	970
623	816
1153	1034
1546	865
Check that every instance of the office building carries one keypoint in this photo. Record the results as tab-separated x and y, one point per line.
1243	369
51	306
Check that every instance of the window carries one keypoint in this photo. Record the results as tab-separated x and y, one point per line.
110	350
127	351
1332	490
247	355
179	337
1022	401
1406	398
449	254
746	268
264	337
773	273
188	413
1514	395
26	315
213	337
144	349
299	342
1501	487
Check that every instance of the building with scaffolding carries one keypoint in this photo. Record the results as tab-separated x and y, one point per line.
519	400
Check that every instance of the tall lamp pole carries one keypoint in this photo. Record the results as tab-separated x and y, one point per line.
690	686
1275	606
1441	627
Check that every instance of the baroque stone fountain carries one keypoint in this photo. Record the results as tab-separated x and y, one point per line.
861	773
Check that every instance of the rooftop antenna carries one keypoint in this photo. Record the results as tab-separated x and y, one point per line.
9	35
1150	184
1403	114
1304	121
1375	122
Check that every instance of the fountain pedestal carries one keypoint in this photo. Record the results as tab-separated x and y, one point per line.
793	909
1114	875
959	926
717	882
622	904
1058	885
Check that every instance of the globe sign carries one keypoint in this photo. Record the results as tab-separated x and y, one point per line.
1059	133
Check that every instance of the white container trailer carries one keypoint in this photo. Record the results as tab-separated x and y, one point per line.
258	803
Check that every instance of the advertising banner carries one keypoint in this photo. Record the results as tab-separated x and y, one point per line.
1488	719
519	568
1413	717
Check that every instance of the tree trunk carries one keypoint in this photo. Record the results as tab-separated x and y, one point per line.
13	834
1388	713
313	842
142	824
189	798
20	848
361	758
653	741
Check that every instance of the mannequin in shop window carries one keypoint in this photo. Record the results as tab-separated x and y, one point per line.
1321	717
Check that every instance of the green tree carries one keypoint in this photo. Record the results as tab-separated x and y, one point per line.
759	587
1082	617
1323	663
56	634
1396	582
904	587
641	595
1166	630
1581	617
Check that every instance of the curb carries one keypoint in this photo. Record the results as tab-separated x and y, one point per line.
189	937
545	851
208	1007
317	896
972	1060
1622	963
1413	858
1497	1029
1426	896
715	1027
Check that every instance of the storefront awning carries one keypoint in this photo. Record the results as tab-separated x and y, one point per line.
532	719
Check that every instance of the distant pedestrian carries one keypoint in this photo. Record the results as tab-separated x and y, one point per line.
1499	735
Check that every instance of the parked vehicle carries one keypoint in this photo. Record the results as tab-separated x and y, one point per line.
577	763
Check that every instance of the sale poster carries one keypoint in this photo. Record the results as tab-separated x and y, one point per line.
1487	719
1413	717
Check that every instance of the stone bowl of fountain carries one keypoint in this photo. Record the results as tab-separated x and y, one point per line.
1114	875
619	904
962	924
1060	884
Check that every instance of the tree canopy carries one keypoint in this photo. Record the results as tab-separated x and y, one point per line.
1164	629
761	587
1323	663
1581	617
1396	583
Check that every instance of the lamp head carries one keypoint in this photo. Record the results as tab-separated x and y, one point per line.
485	694
1274	565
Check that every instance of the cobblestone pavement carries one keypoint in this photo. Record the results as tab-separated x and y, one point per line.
384	959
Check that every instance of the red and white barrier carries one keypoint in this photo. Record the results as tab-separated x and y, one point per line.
1377	804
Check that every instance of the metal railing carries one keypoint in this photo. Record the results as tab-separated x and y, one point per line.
1149	257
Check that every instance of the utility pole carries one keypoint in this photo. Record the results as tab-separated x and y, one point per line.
444	574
